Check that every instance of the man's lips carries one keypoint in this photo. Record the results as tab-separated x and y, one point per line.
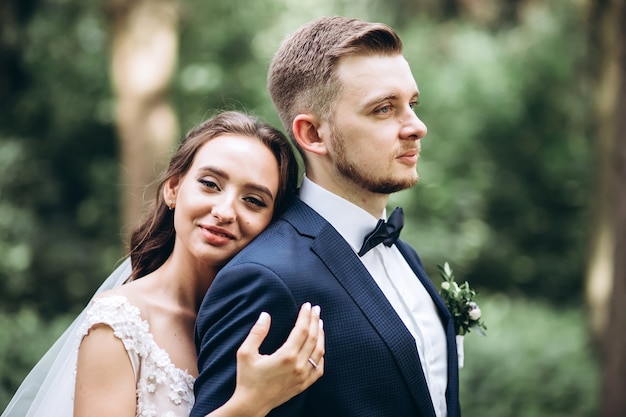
409	157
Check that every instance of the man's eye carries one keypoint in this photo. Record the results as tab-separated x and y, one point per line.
384	110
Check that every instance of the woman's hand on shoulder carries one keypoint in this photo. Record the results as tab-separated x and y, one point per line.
266	381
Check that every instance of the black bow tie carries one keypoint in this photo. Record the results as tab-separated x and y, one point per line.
385	232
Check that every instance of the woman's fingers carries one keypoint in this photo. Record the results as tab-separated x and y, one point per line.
303	336
299	334
257	334
304	347
317	356
305	343
313	348
270	380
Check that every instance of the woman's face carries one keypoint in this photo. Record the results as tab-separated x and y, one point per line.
225	199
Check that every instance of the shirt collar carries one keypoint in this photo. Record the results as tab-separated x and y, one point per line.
351	221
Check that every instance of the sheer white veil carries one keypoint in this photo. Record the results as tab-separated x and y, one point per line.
48	390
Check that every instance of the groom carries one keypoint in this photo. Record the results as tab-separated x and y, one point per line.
346	96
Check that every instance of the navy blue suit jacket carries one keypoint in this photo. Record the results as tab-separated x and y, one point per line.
372	367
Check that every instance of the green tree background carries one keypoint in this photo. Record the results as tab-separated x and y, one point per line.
505	170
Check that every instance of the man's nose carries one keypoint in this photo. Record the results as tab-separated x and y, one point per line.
412	126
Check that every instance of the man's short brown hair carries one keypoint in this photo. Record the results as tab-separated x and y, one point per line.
302	76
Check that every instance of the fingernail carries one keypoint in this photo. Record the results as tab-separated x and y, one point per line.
316	310
321	324
263	318
307	306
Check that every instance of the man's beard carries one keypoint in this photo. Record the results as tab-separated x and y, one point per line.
366	180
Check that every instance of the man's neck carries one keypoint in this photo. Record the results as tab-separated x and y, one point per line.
373	203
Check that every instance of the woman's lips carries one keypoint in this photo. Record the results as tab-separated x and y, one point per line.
216	235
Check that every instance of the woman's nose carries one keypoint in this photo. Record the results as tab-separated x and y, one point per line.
224	211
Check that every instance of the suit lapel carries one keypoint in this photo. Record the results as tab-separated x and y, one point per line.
417	268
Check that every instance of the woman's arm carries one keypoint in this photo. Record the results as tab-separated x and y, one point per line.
266	381
105	382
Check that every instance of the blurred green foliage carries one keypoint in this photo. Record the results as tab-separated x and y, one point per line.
505	169
58	189
535	361
26	337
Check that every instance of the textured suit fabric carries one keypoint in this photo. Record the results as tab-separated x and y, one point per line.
372	366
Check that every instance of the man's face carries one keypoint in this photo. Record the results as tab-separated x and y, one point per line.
375	135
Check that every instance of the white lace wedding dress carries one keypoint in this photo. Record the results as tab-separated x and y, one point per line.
162	389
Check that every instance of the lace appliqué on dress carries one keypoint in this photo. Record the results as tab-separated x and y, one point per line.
163	390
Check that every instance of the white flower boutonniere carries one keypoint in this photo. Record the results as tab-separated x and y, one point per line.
465	312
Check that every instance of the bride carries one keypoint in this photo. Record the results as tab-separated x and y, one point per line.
131	352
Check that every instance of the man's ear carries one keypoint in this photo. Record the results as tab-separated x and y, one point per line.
306	131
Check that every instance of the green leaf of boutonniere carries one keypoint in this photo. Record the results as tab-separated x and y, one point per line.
460	302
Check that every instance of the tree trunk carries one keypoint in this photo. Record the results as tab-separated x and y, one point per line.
606	278
144	52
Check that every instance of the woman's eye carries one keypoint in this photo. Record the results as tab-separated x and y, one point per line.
255	201
208	183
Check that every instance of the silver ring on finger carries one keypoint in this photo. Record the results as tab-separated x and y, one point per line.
312	362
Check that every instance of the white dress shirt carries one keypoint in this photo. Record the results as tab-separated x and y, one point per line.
396	279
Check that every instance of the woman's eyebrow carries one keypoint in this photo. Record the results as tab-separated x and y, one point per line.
223	174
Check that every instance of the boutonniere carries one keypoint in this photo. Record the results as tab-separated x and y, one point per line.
465	312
